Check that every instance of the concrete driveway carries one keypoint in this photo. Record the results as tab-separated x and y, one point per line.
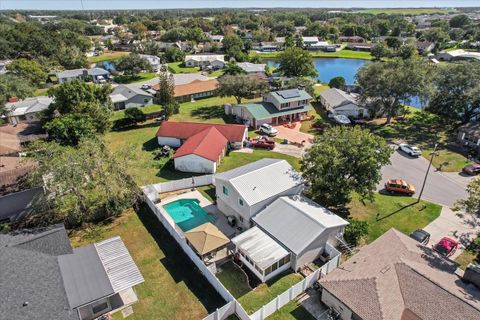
293	135
440	188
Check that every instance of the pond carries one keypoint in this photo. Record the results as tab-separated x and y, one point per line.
329	68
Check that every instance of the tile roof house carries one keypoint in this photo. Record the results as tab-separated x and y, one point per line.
243	192
277	107
340	102
395	277
130	96
195	89
44	278
27	110
201	146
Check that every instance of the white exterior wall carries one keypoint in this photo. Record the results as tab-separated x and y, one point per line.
351	110
217	64
230	205
30	117
194	163
169	141
336	304
260	276
256	208
293	104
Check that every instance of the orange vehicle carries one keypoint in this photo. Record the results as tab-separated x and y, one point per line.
399	186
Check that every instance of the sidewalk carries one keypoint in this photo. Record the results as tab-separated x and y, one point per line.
463	228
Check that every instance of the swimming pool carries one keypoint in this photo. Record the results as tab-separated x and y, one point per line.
187	213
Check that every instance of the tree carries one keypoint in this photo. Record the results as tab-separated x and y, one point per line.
240	86
296	62
139	30
28	69
471	204
460	21
393	42
70	129
173	54
337	82
170	109
132	65
341	161
387	86
166	92
135	115
232	69
457	94
355	231
380	50
232	45
407	51
84	183
13	86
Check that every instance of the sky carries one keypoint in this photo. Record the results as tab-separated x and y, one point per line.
169	4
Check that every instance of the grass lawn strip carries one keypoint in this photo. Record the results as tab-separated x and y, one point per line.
178	67
291	311
470	255
107	56
345	53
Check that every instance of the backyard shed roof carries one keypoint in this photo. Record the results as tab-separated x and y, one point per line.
260	247
208	144
206	238
184	130
297	221
262	179
266	110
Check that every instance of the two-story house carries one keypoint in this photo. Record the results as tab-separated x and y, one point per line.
245	191
276	108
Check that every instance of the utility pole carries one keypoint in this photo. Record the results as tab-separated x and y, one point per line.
428	170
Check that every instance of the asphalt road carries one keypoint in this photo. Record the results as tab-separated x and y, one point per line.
440	188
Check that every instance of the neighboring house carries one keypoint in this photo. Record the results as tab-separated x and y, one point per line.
253	68
308	41
469	135
9	144
13	176
340	102
424	46
356	39
44	278
277	107
130	96
360	46
26	110
245	191
154	61
98	75
216	61
215	37
16	206
459	54
395	277
196	89
201	146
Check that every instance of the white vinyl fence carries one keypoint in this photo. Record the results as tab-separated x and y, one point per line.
152	191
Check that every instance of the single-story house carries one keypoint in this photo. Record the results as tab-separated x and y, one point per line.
16	206
469	135
424	46
43	277
154	61
302	226
127	96
253	68
196	89
340	102
308	41
26	110
360	46
215	37
458	54
98	75
216	61
243	192
395	277
356	39
277	107
201	146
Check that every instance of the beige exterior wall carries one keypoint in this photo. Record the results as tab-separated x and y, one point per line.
194	163
336	304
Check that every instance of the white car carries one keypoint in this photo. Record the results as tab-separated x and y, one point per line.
268	129
410	150
342	119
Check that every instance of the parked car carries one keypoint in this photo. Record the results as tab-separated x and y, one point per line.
472	169
421	236
265	139
446	246
268	129
399	186
342	119
410	150
145	87
262	144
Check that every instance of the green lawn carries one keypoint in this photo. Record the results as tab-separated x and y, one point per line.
345	53
393	211
470	254
107	56
216	73
291	311
178	67
317	112
41	92
146	109
172	288
236	282
143	76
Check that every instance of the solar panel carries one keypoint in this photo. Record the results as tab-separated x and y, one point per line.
289	94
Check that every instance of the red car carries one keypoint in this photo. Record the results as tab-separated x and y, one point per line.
446	247
472	169
262	144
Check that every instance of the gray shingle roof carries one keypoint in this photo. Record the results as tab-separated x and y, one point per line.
128	91
16	205
98	72
71	73
336	98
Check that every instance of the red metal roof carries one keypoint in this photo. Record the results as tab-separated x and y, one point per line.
208	144
184	130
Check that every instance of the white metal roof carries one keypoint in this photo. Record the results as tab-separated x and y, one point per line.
206	57
257	245
121	270
262	179
297	221
29	105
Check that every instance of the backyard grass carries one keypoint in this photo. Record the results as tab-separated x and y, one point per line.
107	56
317	112
172	288
291	311
236	282
393	212
345	53
143	76
470	255
178	67
40	92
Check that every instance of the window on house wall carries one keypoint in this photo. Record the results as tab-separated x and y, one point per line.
240	202
225	191
240	218
100	307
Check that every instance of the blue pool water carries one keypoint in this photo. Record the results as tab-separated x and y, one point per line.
107	65
187	213
329	68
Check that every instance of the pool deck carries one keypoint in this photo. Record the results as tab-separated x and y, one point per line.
220	220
